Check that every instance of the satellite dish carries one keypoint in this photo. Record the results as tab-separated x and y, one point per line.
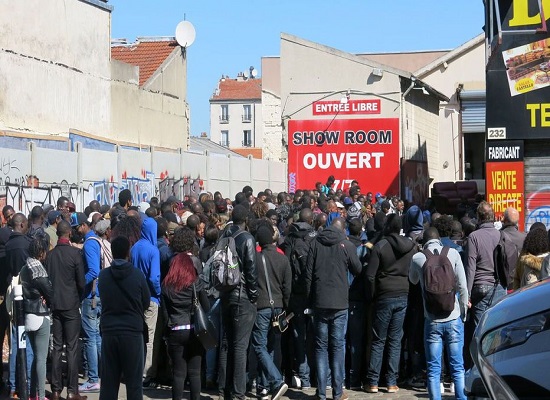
185	34
253	72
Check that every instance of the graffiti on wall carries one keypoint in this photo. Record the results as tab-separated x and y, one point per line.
415	181
538	208
142	188
24	197
10	171
192	187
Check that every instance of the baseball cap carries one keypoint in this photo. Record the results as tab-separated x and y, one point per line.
339	205
78	219
90	217
348	201
143	206
378	195
53	215
101	226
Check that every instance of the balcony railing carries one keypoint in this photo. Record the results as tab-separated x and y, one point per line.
246	143
224	143
247	118
224	119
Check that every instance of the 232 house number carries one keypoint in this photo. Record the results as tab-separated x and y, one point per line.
496	133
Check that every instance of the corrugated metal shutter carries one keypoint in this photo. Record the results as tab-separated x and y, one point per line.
537	182
473	111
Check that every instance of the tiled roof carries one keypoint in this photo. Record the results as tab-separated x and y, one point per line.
255	152
238	89
147	55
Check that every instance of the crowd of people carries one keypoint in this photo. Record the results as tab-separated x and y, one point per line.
117	286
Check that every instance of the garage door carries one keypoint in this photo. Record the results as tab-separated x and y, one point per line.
537	182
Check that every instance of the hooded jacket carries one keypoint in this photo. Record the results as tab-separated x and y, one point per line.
120	313
413	221
145	256
330	257
388	268
528	269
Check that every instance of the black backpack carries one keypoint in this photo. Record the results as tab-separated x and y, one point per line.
439	283
505	256
297	251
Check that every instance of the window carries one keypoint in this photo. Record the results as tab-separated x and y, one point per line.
224	117
247	113
247	138
225	139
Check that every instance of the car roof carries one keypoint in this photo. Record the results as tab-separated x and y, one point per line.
531	299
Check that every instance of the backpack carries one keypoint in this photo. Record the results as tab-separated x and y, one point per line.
439	283
225	273
505	256
297	252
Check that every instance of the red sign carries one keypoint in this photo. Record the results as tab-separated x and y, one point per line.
505	188
366	150
351	107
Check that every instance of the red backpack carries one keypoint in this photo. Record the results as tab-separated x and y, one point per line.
439	283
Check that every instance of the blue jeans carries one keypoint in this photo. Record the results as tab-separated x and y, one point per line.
13	358
215	315
389	314
262	340
356	341
91	338
40	341
330	348
450	334
483	297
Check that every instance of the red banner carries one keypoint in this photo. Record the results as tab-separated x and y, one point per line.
505	188
366	150
331	107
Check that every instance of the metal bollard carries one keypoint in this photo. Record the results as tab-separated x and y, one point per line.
21	363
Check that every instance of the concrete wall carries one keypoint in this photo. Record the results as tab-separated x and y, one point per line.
54	70
156	114
145	173
273	148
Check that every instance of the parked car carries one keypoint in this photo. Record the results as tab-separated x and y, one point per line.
511	347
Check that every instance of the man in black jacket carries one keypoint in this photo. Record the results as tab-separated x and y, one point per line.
388	281
17	252
66	271
296	248
274	285
124	298
238	310
330	258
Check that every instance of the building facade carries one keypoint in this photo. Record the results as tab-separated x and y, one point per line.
58	77
236	118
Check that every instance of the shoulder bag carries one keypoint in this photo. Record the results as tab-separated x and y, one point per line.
278	321
202	326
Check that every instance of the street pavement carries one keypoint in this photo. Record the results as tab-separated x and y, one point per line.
291	394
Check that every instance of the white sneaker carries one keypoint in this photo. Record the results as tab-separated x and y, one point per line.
452	387
296	382
442	386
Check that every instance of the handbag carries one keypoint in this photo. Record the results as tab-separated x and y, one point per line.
204	328
279	321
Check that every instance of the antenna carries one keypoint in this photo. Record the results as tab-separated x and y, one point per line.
185	34
253	72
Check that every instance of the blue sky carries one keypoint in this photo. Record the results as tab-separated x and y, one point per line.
231	36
